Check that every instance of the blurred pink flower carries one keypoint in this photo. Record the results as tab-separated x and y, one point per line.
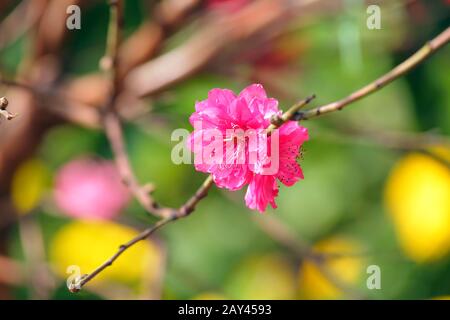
250	111
90	189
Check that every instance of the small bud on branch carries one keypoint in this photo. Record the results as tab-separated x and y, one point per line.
5	113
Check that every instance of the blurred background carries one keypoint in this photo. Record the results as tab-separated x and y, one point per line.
377	180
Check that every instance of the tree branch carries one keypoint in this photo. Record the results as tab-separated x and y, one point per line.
114	132
111	120
426	51
183	211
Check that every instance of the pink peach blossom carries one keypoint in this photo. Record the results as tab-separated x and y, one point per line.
90	189
250	111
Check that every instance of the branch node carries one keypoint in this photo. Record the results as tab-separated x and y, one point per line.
276	120
3	103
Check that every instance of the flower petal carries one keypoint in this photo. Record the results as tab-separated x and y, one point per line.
261	191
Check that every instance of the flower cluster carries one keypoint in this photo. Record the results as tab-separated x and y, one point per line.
250	111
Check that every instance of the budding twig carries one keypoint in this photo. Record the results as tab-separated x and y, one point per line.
425	52
3	112
114	132
290	114
182	212
111	120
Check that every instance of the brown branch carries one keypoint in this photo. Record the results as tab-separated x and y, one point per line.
142	236
111	120
183	211
277	121
114	132
425	52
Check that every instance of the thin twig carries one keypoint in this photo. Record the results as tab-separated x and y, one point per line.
183	211
201	193
277	121
426	51
142	236
114	132
111	121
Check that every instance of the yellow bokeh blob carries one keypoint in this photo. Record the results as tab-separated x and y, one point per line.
87	244
344	263
417	196
29	183
268	277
